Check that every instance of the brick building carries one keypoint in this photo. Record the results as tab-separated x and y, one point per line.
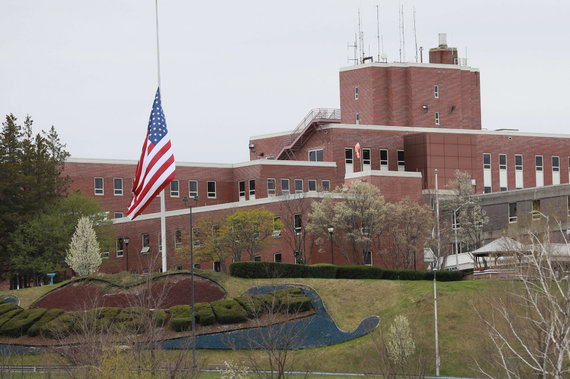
409	119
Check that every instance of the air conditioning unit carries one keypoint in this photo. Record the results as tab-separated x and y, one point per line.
276	233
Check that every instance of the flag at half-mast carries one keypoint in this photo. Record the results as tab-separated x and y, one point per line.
156	167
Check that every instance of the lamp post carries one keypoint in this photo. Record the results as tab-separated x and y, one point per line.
331	231
185	199
126	239
437	360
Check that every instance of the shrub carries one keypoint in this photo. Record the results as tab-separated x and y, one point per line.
5	317
61	326
51	314
101	318
130	319
18	325
325	271
204	314
181	318
268	302
159	317
254	306
293	300
228	311
6	307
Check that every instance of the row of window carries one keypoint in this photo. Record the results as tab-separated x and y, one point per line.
519	183
193	189
367	160
435	92
536	213
99	186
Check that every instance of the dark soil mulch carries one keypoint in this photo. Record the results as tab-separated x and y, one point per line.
161	293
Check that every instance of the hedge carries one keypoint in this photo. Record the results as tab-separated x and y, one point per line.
259	270
19	325
181	316
6	307
51	314
229	311
293	300
7	316
61	326
131	319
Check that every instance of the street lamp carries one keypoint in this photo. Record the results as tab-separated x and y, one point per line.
126	240
331	231
185	199
437	359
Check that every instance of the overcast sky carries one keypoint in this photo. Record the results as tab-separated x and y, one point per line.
233	69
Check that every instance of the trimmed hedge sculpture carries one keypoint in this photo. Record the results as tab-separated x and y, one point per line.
55	323
258	270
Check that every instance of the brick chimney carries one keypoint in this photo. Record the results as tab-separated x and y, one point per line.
443	54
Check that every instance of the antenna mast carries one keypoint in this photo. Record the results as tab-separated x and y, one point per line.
403	35
415	34
354	47
361	38
378	28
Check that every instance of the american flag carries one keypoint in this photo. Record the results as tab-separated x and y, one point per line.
156	166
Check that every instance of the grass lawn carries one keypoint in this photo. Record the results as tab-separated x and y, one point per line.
461	334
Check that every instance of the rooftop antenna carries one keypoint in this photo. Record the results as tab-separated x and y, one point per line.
415	34
361	38
400	30
354	46
403	35
378	28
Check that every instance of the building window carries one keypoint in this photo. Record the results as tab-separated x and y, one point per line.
436	91
145	239
348	158
357	118
257	258
119	247
217	267
196	235
276	227
270	187
285	187
174	188
252	188
298	185
355	93
118	186
298	223
538	160
568	205
212	190
193	189
178	237
437	118
367	258
512	213
316	155
536	209
277	258
241	190
486	161
486	189
105	255
401	161
556	164
178	267
383	159
118	215
366	161
99	189
502	161
518	162
312	185
326	185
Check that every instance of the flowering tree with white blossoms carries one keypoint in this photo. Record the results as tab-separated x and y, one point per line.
84	254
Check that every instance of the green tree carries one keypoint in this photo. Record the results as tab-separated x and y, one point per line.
471	218
32	167
248	230
84	254
213	241
38	245
356	213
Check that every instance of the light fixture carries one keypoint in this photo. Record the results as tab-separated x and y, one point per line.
330	229
425	108
251	145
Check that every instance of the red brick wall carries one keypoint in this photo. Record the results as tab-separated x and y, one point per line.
394	95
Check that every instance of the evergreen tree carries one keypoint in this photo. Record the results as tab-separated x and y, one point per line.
84	254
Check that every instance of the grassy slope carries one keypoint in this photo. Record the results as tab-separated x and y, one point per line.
349	301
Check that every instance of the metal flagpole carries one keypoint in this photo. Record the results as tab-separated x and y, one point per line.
162	194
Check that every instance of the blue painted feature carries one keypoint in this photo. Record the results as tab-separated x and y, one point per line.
51	276
314	331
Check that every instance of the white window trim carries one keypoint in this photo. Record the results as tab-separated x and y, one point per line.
102	189
177	192
309	185
541	166
288	187
251	191
387	158
522	162
269	194
437	120
323	187
190	192
355	93
302	185
553	167
210	195
436	91
512	219
119	253
316	155
369	160
120	192
490	163
501	168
